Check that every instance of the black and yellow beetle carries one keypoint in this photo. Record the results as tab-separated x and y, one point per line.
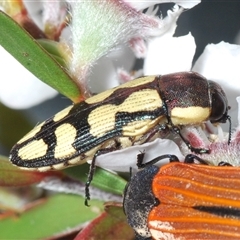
130	114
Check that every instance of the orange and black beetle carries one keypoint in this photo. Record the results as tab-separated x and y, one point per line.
184	201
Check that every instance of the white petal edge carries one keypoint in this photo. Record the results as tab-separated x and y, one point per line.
139	5
238	101
220	63
20	88
122	160
167	54
104	75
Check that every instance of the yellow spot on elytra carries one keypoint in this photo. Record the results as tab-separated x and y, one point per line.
190	115
136	82
59	166
62	114
31	134
125	142
33	150
102	119
37	129
65	135
41	169
139	127
90	154
76	160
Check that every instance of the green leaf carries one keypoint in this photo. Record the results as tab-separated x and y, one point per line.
33	57
53	48
102	179
11	175
57	214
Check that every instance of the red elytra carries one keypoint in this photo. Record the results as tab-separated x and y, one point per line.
195	202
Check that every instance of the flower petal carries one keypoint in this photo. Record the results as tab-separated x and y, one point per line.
238	101
20	88
139	5
220	62
168	54
122	160
100	80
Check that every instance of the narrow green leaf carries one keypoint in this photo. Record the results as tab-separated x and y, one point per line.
33	57
53	48
102	179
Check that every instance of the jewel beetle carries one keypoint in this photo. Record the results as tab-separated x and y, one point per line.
184	201
130	114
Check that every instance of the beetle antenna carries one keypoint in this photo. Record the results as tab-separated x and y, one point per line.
230	129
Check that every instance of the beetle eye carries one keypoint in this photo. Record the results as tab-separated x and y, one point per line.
219	106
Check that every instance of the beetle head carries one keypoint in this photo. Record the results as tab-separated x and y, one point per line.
219	103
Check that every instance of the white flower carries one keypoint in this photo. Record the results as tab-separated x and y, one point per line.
19	87
100	28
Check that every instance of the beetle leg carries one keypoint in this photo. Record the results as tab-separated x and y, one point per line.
193	149
92	170
191	157
159	131
177	131
172	158
230	128
140	156
89	180
224	164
